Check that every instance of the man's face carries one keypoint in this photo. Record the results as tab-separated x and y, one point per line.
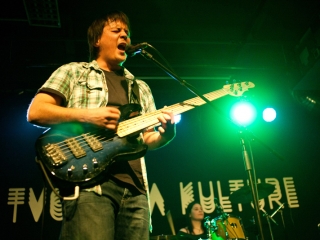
112	43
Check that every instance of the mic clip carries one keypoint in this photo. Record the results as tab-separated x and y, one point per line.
268	216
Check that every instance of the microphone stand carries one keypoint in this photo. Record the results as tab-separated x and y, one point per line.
251	176
268	220
246	158
279	209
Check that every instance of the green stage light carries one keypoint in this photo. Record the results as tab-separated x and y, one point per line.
243	113
269	114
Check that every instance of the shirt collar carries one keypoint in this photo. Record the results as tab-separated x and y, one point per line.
94	65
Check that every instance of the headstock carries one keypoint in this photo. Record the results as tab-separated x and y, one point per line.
237	89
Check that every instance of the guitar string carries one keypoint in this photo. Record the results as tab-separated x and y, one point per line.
150	117
65	149
127	125
150	120
156	112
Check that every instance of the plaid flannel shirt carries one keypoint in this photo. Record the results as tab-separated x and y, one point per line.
83	85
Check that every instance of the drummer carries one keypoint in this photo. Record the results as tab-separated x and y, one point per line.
194	228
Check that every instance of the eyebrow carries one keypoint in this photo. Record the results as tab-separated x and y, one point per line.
120	28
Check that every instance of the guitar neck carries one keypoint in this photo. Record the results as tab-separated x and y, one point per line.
151	119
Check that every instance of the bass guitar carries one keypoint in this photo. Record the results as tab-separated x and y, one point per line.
73	154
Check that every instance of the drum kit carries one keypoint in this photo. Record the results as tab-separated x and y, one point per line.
226	226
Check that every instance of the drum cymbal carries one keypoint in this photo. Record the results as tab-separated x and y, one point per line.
243	195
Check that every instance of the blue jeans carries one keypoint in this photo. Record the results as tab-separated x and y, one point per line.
116	215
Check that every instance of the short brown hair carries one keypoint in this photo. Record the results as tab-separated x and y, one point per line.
96	28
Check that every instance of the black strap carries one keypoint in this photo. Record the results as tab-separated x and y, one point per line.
135	90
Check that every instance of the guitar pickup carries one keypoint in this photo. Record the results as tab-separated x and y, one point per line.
75	147
54	153
93	142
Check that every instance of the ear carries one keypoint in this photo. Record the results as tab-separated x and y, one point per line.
97	44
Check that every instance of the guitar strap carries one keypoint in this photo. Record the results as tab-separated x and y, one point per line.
135	90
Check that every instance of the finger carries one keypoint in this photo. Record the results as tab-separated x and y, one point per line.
113	110
111	121
168	115
161	130
162	118
112	116
111	125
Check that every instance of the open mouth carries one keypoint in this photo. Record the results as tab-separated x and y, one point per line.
122	46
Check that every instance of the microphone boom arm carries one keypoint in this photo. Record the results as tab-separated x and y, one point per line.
191	88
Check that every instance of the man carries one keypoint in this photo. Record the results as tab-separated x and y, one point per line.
90	94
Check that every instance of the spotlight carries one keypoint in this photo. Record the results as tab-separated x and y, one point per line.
243	113
269	114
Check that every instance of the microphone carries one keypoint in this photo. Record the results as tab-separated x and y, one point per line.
133	50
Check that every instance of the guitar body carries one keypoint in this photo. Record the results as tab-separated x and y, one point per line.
74	155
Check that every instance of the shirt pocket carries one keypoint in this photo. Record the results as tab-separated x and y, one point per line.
89	93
